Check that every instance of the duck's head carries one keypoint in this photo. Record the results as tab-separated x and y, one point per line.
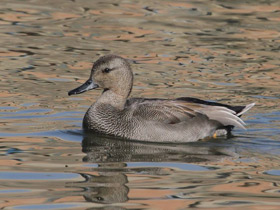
110	72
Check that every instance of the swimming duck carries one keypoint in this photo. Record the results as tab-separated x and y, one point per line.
150	119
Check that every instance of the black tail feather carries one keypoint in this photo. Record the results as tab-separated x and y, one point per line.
237	109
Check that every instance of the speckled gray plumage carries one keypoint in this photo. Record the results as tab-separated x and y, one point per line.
157	120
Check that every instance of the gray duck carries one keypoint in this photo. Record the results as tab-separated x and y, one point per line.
151	119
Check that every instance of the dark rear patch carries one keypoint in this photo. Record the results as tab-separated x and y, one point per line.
237	109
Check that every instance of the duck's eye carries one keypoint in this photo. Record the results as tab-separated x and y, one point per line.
100	198
106	70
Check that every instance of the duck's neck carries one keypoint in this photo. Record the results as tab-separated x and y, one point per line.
114	99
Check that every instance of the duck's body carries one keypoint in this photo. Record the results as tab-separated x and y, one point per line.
157	120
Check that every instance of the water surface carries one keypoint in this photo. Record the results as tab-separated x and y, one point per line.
222	51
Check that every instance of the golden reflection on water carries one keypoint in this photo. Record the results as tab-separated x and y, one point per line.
222	51
109	172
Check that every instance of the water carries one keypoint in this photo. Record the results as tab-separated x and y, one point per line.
223	51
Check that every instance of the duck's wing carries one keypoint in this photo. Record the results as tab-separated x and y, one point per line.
160	110
178	110
239	110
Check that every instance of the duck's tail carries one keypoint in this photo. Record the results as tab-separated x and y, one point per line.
245	109
227	117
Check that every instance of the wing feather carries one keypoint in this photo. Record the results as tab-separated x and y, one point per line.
176	111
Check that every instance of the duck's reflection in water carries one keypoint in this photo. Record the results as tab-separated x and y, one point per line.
112	155
108	186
